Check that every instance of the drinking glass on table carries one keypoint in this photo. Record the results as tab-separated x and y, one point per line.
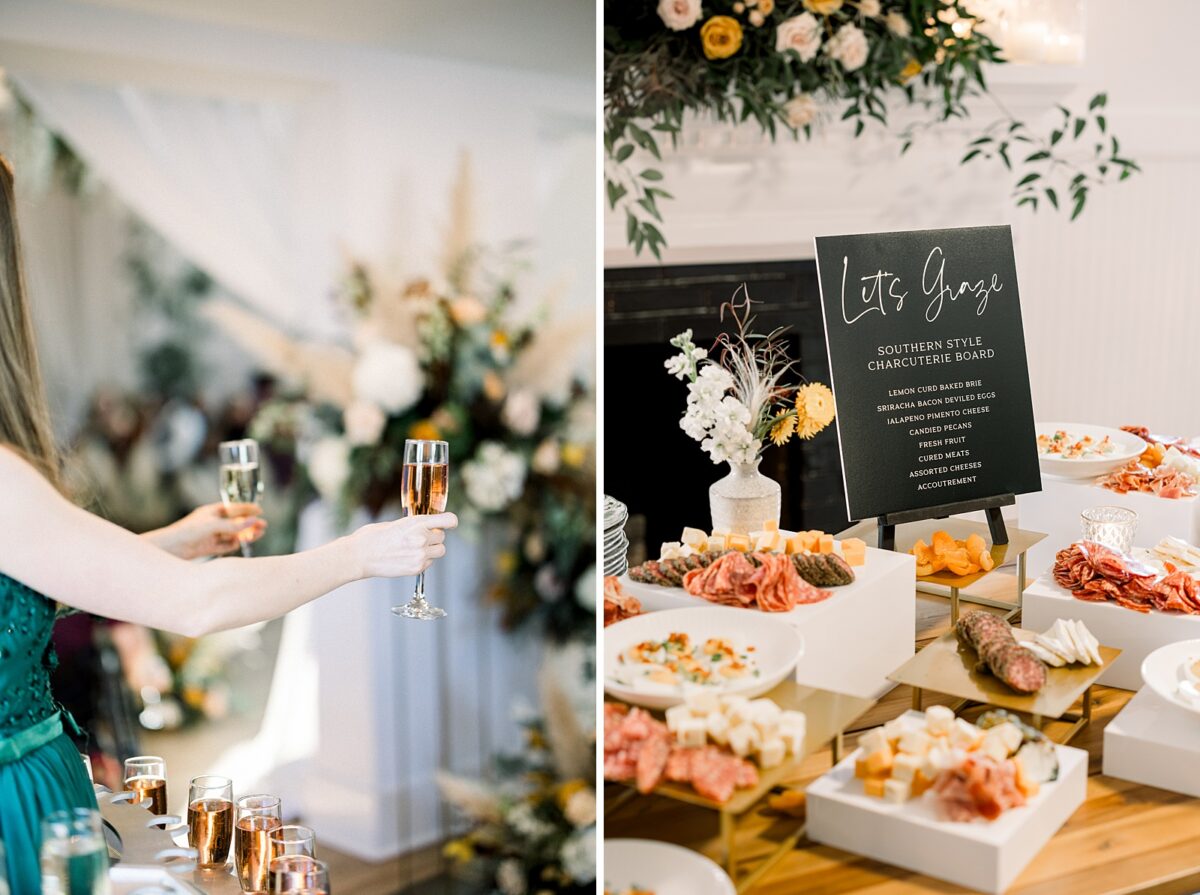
424	488
146	777
257	817
1112	527
74	854
240	479
300	876
293	849
210	819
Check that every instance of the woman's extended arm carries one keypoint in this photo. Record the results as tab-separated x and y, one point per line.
83	561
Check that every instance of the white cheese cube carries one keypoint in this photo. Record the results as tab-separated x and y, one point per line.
718	728
915	742
898	727
793	734
771	753
905	766
994	745
764	715
896	791
702	701
964	734
692	731
1009	734
675	715
873	741
767	541
717	543
669	550
694	537
789	716
736	709
939	719
743	740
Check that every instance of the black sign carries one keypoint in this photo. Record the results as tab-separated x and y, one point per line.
927	364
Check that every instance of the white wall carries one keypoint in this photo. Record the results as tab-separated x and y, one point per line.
1111	317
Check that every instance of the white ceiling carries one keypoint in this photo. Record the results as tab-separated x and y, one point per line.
555	36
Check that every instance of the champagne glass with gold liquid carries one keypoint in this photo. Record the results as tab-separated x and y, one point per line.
257	818
240	479
425	485
210	819
146	776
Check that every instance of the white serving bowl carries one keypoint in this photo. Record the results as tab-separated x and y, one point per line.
778	646
1162	671
1129	447
662	868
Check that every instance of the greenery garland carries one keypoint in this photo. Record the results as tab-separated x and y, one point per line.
780	62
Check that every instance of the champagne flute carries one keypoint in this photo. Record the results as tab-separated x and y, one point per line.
300	876
257	817
240	481
146	775
424	490
210	819
74	855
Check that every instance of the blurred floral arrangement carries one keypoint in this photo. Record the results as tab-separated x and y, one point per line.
457	359
740	398
785	64
533	831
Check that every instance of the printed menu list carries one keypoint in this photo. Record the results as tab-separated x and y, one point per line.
927	359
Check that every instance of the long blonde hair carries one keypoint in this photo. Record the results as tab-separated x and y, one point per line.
24	416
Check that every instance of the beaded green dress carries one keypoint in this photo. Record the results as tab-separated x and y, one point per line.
40	768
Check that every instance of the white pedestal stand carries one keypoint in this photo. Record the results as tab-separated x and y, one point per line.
1156	743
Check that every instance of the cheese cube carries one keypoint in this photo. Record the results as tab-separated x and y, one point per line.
880	763
771	753
897	727
854	551
743	740
718	728
702	701
764	715
738	542
717	542
939	719
964	734
669	550
994	745
694	537
795	544
896	791
915	742
1009	734
874	740
825	545
692	731
675	714
793	734
755	535
736	708
873	786
905	766
767	541
860	769
920	783
771	525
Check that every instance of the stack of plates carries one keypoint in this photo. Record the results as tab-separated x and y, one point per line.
616	545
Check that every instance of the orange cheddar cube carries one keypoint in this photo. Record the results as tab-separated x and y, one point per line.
873	786
738	542
879	762
825	544
854	551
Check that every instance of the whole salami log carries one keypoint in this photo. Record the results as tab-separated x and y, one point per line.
991	637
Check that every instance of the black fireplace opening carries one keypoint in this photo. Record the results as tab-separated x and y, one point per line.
651	464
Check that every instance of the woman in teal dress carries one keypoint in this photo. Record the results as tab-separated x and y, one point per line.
54	554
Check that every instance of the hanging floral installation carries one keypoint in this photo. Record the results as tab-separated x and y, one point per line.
786	64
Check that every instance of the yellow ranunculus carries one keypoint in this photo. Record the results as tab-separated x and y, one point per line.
721	37
910	71
814	409
823	7
573	454
782	431
458	850
424	430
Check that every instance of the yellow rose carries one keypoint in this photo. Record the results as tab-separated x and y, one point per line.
424	430
910	71
823	7
721	37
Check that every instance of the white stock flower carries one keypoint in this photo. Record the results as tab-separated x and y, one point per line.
581	808
801	33
585	596
524	822
522	412
801	110
329	466
363	422
494	477
510	877
579	856
389	375
849	47
679	15
898	24
870	8
678	366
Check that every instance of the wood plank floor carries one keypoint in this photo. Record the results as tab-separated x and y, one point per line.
1125	838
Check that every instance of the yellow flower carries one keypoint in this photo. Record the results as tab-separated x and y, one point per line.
424	430
910	70
568	789
721	37
573	455
766	7
506	562
493	385
499	338
814	409
782	431
823	7
458	850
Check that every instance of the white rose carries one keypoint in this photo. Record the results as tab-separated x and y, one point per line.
329	466
898	24
849	47
510	878
679	15
801	110
546	458
581	808
363	422
389	375
585	591
494	477
801	33
870	8
522	412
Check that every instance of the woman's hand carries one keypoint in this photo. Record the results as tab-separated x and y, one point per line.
211	530
401	548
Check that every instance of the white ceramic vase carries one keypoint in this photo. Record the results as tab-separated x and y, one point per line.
742	501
